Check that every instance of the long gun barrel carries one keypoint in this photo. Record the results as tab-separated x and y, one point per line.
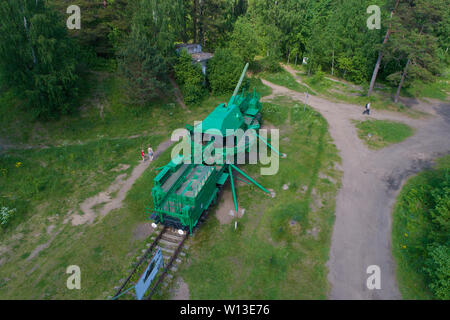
236	90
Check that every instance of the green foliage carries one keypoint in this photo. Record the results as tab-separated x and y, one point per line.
244	40
37	58
148	52
437	267
210	23
224	70
413	46
6	215
190	77
143	67
285	79
102	28
421	233
318	76
270	64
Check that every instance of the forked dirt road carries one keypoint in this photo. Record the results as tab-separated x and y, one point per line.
371	181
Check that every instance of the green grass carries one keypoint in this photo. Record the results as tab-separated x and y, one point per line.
436	90
381	99
76	163
410	228
260	87
272	254
378	134
283	78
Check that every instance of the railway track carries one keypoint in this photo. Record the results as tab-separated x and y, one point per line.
171	244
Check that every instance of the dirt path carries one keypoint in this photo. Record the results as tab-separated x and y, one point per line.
120	186
370	184
178	95
293	72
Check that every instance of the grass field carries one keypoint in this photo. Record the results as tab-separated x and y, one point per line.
409	231
69	160
281	244
381	133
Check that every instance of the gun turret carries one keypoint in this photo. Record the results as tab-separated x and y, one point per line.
236	90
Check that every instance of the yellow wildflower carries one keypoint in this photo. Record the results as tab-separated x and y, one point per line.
18	164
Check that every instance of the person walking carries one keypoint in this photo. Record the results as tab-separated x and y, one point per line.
143	155
150	153
367	110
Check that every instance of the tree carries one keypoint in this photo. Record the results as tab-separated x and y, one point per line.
143	67
212	21
99	23
224	70
380	54
37	58
413	41
148	53
190	77
244	39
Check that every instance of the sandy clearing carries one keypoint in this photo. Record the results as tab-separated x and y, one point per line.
120	185
181	290
142	231
371	181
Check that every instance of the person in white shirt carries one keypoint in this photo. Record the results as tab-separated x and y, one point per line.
367	109
150	153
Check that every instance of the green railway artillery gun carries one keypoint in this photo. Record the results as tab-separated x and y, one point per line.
184	190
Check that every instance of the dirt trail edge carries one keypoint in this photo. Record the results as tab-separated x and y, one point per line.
120	186
370	184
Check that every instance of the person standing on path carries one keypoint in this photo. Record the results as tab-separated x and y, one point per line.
367	109
143	155
150	153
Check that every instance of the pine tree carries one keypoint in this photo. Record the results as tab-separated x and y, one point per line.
413	42
148	54
103	23
37	58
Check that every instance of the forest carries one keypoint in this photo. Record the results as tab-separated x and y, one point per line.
44	62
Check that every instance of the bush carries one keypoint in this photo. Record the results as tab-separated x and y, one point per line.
190	77
437	267
421	230
224	70
318	76
6	215
270	64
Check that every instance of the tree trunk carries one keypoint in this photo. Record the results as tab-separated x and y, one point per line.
296	56
332	65
380	55
194	18
288	55
402	80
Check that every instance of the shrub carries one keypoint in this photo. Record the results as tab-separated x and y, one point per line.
422	230
224	70
190	77
437	267
6	215
271	64
318	76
